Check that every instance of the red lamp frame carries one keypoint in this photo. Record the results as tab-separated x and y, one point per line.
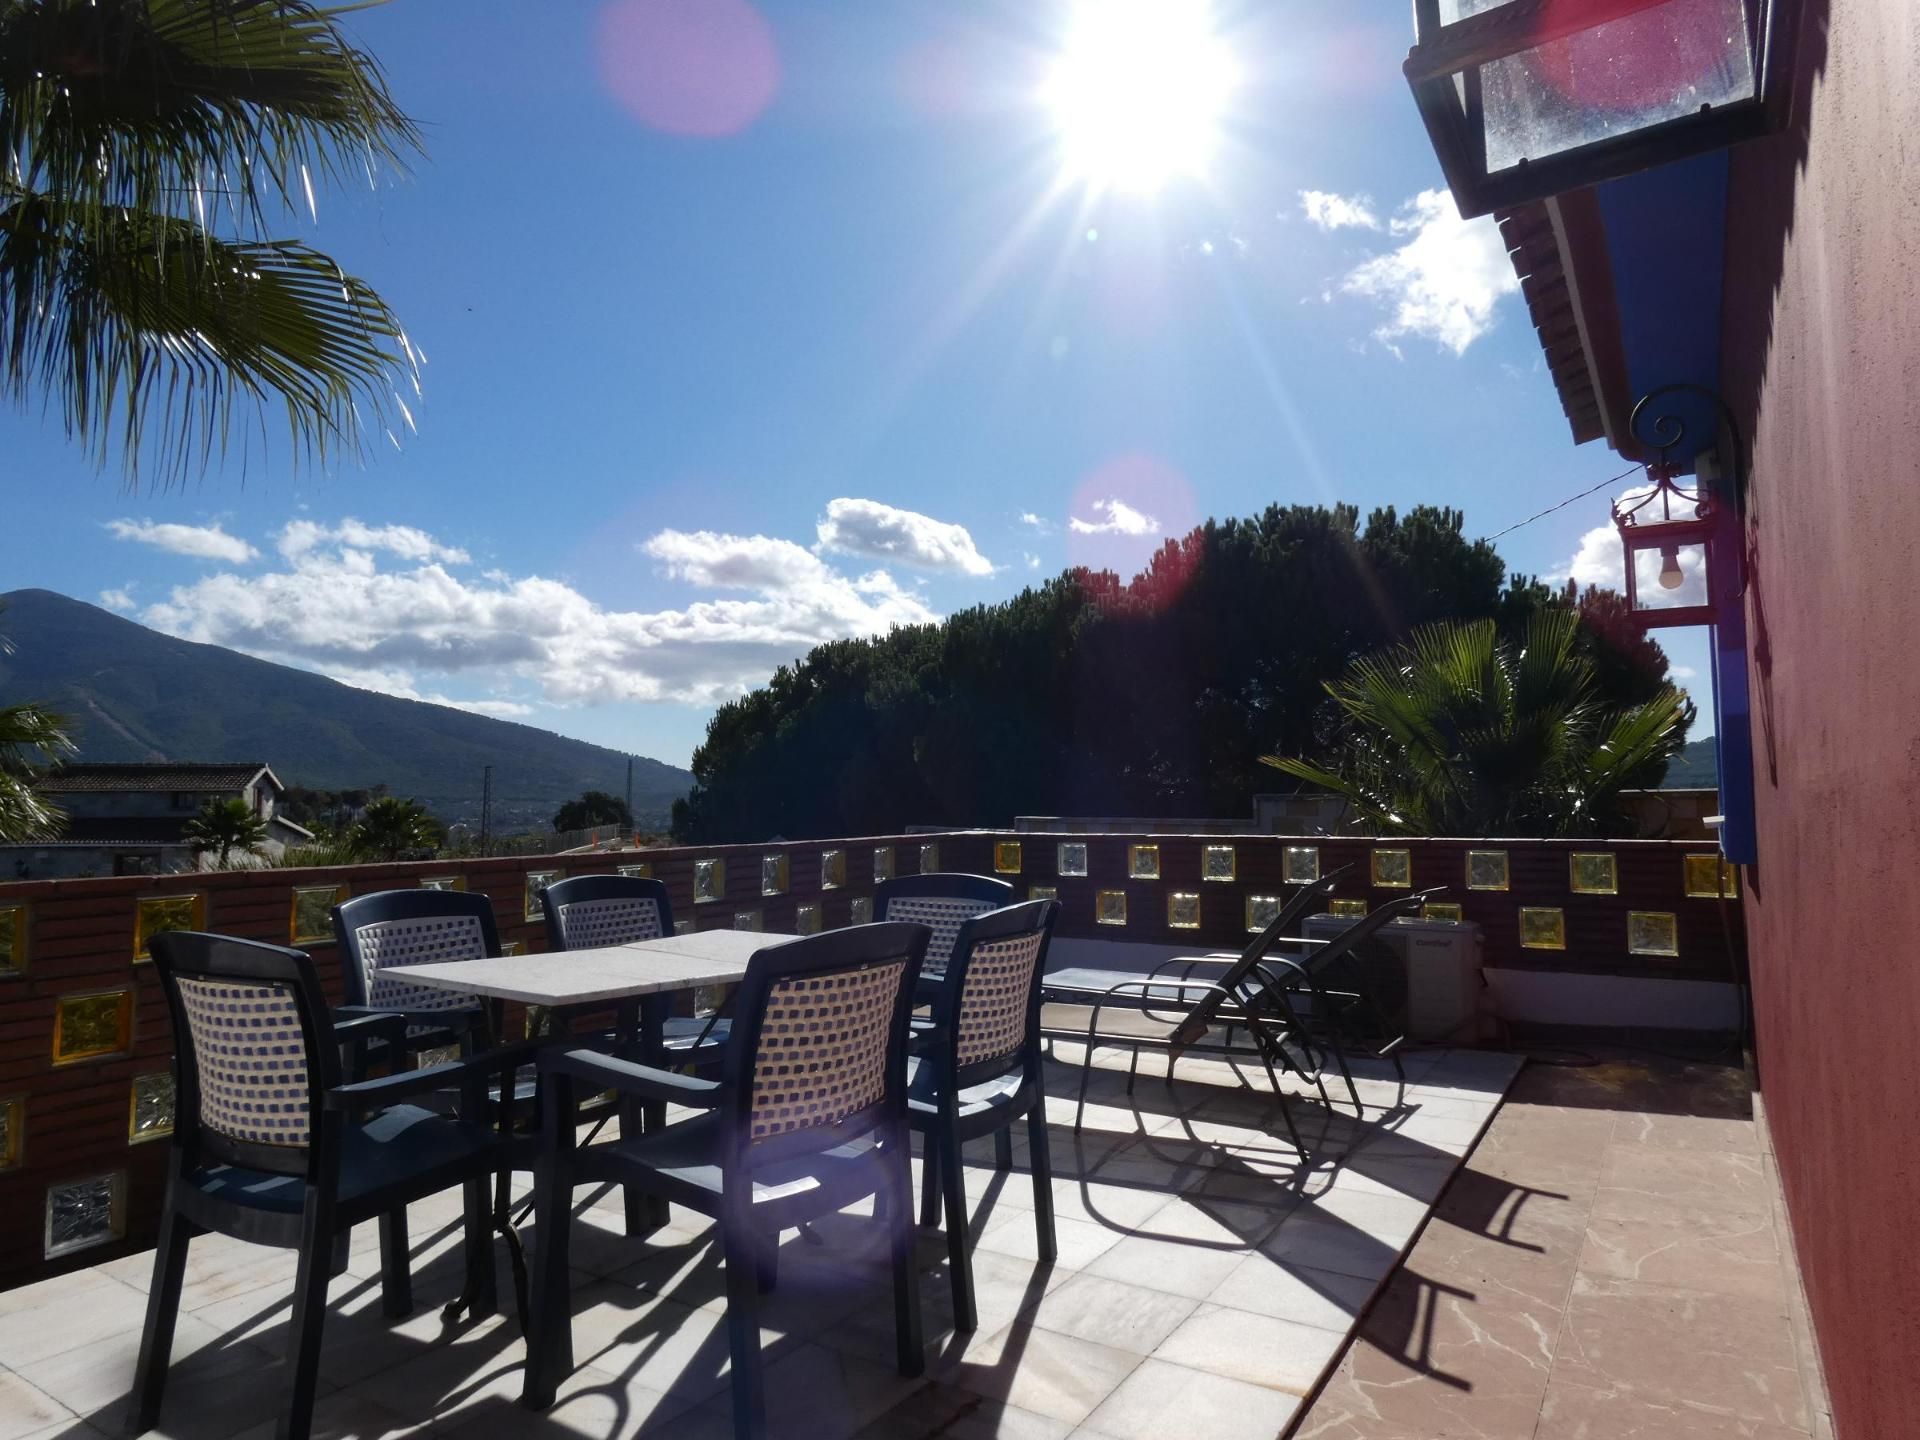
1641	532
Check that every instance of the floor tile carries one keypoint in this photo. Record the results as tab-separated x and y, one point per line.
1113	1313
945	1412
1039	1370
1298	1293
1736	1256
1578	1412
1259	1349
25	1410
1161	1399
1723	1180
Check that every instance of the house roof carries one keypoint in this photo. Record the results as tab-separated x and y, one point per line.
104	778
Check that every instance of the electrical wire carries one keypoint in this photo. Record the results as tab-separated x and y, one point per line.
1518	524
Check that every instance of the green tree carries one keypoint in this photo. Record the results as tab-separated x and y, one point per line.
151	147
391	829
32	738
223	827
1459	732
595	807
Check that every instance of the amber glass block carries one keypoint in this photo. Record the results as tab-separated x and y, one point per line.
1300	864
1070	858
882	863
747	920
1393	869
1486	869
88	1026
1183	910
1434	911
150	1107
1217	862
1262	911
709	881
444	882
13	941
1110	907
1143	862
773	874
863	910
1352	908
13	1131
1593	872
642	871
1653	932
310	919
1006	857
806	920
509	947
536	896
930	858
539	1022
157	914
1543	927
84	1213
833	869
1705	874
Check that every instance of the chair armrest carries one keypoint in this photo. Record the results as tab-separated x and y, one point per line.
391	1088
352	1022
607	1072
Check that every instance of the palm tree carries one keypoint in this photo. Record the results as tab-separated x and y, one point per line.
148	147
31	738
224	826
391	827
1456	732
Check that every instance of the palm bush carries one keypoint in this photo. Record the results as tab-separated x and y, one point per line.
1456	732
224	827
150	146
31	738
391	829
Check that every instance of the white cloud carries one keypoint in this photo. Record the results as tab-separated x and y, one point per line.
1597	561
1033	562
881	532
1339	212
1122	519
375	618
1600	559
1683	672
121	599
1444	282
403	542
400	684
202	542
1039	524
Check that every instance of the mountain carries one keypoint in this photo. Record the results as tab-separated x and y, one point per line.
141	695
1695	768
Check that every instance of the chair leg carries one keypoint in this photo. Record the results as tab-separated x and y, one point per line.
481	1291
953	1181
163	1309
396	1281
1040	1161
929	1181
1003	1150
309	1314
908	1340
1133	1069
766	1262
550	1341
737	1250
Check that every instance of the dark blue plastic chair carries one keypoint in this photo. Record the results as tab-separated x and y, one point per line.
942	903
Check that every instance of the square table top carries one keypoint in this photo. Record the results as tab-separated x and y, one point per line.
604	973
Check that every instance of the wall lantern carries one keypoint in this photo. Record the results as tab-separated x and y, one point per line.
1524	99
1675	537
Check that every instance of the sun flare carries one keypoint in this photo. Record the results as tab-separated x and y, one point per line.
1138	92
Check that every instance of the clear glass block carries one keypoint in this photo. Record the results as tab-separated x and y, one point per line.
747	920
1183	910
87	1026
1653	932
683	927
1071	858
1217	862
930	858
1593	872
1262	911
1393	869
1110	907
1300	864
13	941
773	874
1613	79
1436	911
1487	870
84	1213
642	871
1006	857
806	920
1706	874
863	910
1352	908
833	869
157	914
311	921
509	947
439	1055
536	896
709	881
1143	862
150	1108
882	863
444	882
13	1131
1043	892
1543	927
540	1022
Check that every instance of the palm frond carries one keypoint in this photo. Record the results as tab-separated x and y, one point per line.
31	738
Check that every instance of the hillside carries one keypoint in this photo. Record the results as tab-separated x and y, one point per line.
141	695
1695	768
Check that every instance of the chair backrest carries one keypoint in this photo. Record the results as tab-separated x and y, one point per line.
1235	977
818	1056
942	903
252	1057
381	934
1321	958
590	910
990	1012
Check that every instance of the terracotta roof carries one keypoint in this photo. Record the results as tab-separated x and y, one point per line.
166	776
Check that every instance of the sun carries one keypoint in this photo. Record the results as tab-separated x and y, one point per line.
1138	92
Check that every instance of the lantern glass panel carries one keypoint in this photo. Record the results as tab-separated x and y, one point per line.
1670	576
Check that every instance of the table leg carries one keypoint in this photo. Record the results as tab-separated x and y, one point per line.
646	1213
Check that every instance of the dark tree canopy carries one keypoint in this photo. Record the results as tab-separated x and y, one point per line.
595	807
1093	695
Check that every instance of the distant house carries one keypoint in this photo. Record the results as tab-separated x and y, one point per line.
130	819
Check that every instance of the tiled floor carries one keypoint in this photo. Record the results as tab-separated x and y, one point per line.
1208	1276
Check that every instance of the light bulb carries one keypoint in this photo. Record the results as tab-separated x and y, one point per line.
1671	577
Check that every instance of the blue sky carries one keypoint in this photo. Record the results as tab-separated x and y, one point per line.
747	326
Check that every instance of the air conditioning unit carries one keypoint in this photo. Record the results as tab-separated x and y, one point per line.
1438	967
